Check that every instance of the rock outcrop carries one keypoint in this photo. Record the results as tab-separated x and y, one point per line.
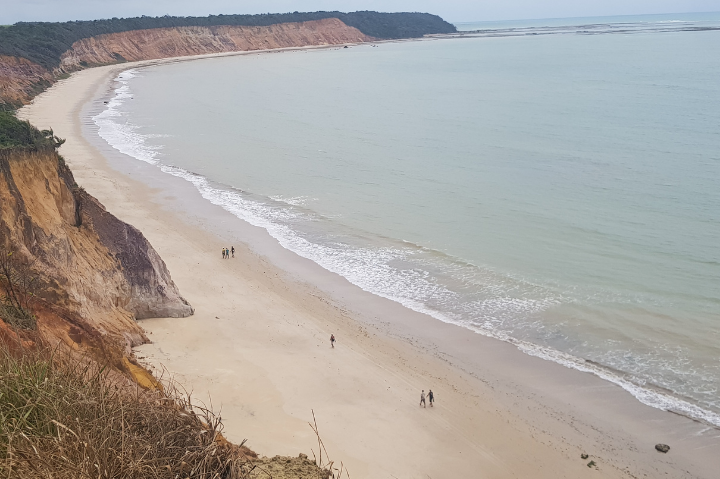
148	291
96	273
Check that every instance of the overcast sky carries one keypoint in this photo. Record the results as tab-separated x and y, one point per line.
12	11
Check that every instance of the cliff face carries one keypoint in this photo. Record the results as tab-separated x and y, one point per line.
97	274
185	41
21	79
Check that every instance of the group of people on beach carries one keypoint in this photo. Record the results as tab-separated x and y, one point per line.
227	252
430	398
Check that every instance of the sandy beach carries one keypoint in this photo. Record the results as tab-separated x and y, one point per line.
258	348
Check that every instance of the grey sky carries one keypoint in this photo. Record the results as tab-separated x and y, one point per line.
12	11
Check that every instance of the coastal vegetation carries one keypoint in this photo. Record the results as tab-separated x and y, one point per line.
63	416
15	133
44	42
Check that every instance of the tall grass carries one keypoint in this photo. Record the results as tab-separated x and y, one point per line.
61	417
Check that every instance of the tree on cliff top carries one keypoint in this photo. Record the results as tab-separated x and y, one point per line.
16	133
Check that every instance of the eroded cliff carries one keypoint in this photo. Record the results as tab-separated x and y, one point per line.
185	41
20	80
96	274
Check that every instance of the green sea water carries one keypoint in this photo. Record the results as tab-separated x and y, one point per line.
558	189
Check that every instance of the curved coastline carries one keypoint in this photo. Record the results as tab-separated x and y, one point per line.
122	137
444	350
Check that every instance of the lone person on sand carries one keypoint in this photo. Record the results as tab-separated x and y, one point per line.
422	398
232	249
332	340
431	398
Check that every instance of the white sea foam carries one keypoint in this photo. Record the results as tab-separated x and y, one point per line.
117	131
646	395
294	201
383	270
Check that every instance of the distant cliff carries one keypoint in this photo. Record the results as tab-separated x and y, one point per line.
34	55
95	274
185	41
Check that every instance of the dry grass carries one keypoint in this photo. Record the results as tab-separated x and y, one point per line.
64	418
326	465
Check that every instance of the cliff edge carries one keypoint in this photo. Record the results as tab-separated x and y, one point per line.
95	274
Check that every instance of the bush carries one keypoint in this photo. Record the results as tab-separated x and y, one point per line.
17	290
16	133
17	317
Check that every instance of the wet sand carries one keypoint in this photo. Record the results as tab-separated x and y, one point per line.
259	346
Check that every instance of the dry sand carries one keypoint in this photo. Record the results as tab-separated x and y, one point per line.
258	345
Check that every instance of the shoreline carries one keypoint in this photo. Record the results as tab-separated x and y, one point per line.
228	198
500	410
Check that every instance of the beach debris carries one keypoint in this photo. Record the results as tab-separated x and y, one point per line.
584	456
664	448
591	464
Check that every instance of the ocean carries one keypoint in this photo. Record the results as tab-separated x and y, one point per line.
553	184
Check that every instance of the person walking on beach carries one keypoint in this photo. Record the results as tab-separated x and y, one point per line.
332	340
223	253
422	398
232	248
431	397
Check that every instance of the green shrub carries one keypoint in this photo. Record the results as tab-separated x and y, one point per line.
15	133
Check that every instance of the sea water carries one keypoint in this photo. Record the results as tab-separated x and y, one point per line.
553	185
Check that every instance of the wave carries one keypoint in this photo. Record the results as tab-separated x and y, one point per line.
481	300
122	135
635	27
